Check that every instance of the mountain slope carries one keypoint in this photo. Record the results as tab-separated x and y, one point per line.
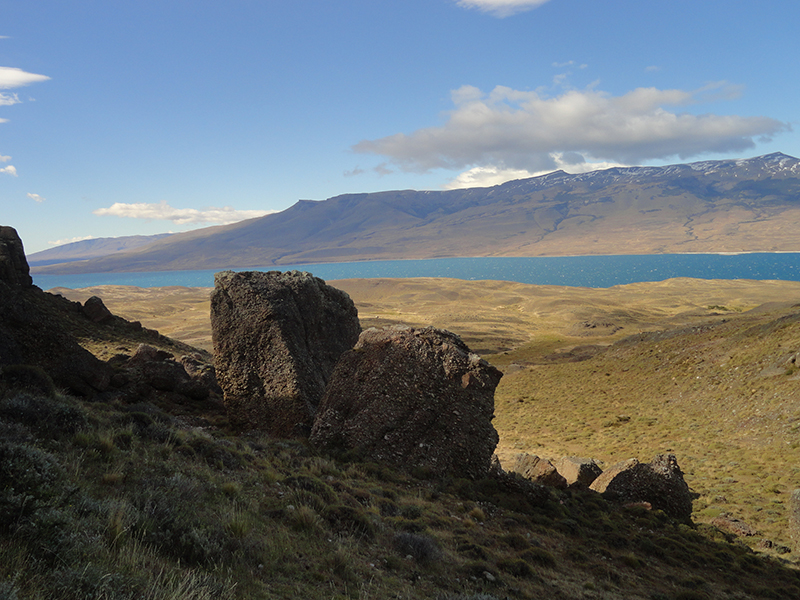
93	248
710	206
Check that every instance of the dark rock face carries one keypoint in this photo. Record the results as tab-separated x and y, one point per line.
30	331
277	337
31	335
539	470
412	398
14	268
659	483
578	471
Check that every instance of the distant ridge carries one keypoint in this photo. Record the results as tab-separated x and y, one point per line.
93	248
743	205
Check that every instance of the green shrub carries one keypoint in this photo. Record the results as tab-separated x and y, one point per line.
350	520
29	479
516	567
47	416
421	548
29	378
539	556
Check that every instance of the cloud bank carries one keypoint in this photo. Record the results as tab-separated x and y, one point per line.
501	8
162	211
524	130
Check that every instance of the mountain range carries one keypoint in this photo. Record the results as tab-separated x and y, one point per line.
745	205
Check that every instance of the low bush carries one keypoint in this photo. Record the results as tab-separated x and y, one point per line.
421	548
48	417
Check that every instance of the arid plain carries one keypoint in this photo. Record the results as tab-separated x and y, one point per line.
701	368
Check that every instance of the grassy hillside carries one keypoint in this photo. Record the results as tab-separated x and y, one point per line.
687	366
119	501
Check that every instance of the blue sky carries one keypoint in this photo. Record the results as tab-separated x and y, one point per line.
123	118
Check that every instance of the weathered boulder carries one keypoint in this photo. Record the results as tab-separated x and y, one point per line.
539	470
277	337
659	483
14	268
412	398
96	311
578	471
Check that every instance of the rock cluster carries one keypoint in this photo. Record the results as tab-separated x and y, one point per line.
277	337
34	333
412	397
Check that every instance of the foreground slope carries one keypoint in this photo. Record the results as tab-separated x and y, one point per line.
123	499
699	368
711	206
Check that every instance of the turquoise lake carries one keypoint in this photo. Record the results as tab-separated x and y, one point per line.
580	271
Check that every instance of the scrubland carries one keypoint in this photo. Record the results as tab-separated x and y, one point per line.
148	501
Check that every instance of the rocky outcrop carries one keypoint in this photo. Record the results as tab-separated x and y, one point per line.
539	470
412	398
31	332
277	337
154	375
14	269
578	471
659	483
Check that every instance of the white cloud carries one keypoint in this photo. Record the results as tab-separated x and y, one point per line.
511	129
489	176
180	216
501	8
11	77
36	198
4	158
9	170
9	99
71	240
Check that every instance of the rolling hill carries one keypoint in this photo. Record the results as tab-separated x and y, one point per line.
710	206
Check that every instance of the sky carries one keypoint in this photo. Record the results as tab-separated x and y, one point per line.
134	118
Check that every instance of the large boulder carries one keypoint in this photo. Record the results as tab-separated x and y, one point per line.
14	269
659	483
277	337
539	470
578	471
412	398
